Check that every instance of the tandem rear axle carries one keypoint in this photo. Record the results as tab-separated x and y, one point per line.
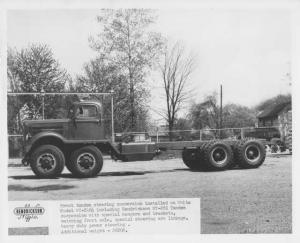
87	161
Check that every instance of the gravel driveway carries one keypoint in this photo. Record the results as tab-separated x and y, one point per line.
233	201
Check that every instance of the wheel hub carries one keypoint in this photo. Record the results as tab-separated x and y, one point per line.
252	153
86	161
219	155
46	162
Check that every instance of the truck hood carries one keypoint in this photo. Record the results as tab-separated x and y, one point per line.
50	125
44	122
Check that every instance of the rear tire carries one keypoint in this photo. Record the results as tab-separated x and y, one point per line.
192	158
250	154
234	144
86	161
47	161
218	156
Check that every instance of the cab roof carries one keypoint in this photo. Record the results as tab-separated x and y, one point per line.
88	102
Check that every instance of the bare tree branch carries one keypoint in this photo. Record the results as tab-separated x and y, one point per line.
176	69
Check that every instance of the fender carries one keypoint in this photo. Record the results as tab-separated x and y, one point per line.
40	135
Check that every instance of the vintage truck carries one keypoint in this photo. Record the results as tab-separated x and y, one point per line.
274	140
79	141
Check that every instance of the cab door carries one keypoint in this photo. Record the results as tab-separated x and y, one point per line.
87	124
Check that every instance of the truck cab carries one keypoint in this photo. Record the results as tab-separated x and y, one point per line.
85	121
76	142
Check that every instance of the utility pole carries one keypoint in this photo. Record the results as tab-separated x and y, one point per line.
221	108
112	117
43	103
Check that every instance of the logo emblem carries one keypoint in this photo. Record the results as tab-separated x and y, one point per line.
29	212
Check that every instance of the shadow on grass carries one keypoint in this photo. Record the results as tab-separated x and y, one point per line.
124	173
39	188
103	174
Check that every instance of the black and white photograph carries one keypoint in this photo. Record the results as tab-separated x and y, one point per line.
155	120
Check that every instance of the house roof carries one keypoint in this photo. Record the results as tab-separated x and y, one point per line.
273	110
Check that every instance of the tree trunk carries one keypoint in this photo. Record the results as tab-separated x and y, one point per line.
171	127
132	108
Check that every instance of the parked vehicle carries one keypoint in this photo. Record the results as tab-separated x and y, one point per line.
272	136
79	142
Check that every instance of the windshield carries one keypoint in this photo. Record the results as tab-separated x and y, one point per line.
86	111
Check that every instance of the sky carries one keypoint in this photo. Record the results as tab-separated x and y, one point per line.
247	51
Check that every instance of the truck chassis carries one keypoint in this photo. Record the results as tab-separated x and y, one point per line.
48	160
78	143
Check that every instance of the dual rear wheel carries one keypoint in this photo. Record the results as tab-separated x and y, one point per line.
249	153
219	155
48	161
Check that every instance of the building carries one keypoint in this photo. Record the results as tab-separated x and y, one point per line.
275	115
278	115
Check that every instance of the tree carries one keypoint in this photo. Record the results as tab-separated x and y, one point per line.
100	76
33	69
126	42
176	69
13	106
274	100
12	70
36	69
238	116
206	113
183	128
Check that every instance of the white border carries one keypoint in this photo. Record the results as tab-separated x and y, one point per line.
292	5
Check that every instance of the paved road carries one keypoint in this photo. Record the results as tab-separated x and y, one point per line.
234	201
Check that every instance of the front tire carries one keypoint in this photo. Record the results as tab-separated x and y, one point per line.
86	161
47	161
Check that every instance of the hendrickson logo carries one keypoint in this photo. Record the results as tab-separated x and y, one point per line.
29	212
